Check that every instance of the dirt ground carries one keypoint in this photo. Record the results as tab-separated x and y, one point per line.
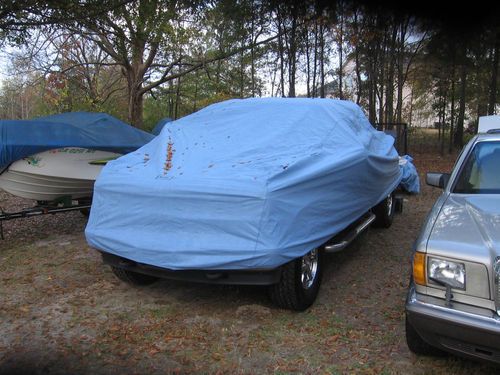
63	312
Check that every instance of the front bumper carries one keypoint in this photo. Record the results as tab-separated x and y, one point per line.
226	277
460	329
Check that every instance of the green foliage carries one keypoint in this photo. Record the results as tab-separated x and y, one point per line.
154	111
142	60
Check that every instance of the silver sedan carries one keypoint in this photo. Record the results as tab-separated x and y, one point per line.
453	302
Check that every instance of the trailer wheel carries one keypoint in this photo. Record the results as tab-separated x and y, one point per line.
85	211
384	212
132	277
299	283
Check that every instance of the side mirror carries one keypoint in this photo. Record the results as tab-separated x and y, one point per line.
439	180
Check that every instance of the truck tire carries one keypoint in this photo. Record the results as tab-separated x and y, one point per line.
384	212
299	283
132	277
417	345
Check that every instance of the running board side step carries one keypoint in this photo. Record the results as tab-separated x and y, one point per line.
342	242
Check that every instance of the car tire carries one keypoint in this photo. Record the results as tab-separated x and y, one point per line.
299	283
132	277
417	345
384	212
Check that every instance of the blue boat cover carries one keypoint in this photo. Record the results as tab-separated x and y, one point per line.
243	184
21	138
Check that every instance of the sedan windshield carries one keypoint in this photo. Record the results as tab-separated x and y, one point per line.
480	173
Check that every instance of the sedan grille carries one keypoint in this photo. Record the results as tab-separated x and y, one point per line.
496	269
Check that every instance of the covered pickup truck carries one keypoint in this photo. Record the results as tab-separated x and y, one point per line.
246	192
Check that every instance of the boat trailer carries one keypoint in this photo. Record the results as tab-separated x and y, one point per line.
45	208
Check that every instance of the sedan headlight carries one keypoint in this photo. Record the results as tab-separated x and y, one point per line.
446	272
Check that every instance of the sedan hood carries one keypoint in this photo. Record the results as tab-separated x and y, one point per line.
467	227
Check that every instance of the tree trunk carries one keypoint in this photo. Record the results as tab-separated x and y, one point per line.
443	121
410	115
292	56
372	84
170	100
135	105
440	122
459	135
358	65
399	99
195	96
242	72
281	57
401	75
315	63
340	43
177	98
322	61
308	64
494	74
452	109
252	53
389	89
380	88
358	77
135	97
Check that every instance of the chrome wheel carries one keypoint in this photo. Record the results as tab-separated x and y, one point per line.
389	204
299	283
309	268
384	212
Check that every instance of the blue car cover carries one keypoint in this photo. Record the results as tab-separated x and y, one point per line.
21	138
243	184
159	125
410	180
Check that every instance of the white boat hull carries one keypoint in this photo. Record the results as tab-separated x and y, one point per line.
54	174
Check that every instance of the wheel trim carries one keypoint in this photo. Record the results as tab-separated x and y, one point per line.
309	268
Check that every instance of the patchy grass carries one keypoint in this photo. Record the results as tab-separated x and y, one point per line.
63	312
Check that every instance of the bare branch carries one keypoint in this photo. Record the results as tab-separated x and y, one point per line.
200	64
